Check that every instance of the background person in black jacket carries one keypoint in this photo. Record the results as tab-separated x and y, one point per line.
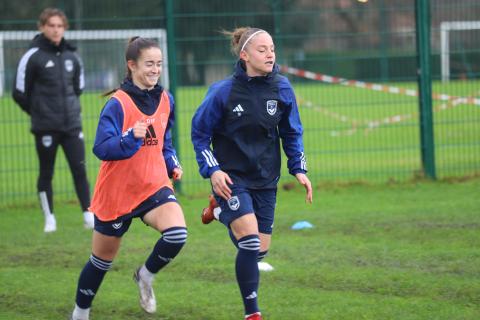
48	84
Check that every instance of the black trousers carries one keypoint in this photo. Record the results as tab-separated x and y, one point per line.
74	148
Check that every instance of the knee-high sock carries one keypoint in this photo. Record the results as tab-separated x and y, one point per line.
247	271
167	247
261	255
90	279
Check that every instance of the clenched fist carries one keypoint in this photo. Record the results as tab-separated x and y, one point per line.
139	129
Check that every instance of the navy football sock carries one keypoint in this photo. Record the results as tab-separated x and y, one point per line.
90	279
167	247
247	271
261	255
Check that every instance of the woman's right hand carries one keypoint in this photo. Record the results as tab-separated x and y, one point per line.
220	181
139	129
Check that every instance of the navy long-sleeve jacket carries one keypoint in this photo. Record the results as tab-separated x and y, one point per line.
113	144
243	119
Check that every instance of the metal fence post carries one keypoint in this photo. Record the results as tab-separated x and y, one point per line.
422	18
276	6
172	74
384	41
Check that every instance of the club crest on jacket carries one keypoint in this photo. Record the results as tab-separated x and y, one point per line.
272	107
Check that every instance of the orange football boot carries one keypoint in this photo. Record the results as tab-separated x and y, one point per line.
207	213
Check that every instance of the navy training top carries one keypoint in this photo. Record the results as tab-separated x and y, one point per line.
243	118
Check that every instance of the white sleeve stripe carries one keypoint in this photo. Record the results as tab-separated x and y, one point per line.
303	162
211	155
207	158
211	161
22	67
175	160
81	80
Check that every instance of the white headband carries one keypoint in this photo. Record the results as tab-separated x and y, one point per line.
250	38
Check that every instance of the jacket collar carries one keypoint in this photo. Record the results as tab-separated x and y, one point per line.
43	43
146	100
241	73
129	87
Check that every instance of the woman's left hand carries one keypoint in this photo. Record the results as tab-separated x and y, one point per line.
304	181
177	174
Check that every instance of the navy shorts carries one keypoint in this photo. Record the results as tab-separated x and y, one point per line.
244	200
119	226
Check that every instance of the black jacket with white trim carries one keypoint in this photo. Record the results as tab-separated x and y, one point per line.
48	83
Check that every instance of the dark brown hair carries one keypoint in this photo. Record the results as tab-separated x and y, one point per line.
51	12
135	47
133	51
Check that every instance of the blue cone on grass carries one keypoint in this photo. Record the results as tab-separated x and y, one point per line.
302	225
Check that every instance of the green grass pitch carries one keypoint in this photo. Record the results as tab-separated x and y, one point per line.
385	245
409	251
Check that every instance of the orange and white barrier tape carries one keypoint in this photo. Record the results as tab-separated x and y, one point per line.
370	125
373	86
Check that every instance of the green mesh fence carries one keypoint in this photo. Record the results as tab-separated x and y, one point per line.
456	121
352	64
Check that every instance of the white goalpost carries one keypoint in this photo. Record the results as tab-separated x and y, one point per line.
123	35
445	29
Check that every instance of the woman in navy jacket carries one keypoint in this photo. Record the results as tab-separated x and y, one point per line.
243	118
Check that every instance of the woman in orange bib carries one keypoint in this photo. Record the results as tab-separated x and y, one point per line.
138	160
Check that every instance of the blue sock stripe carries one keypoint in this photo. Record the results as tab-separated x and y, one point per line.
262	255
175	241
249	242
252	247
100	264
252	243
174	229
175	235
